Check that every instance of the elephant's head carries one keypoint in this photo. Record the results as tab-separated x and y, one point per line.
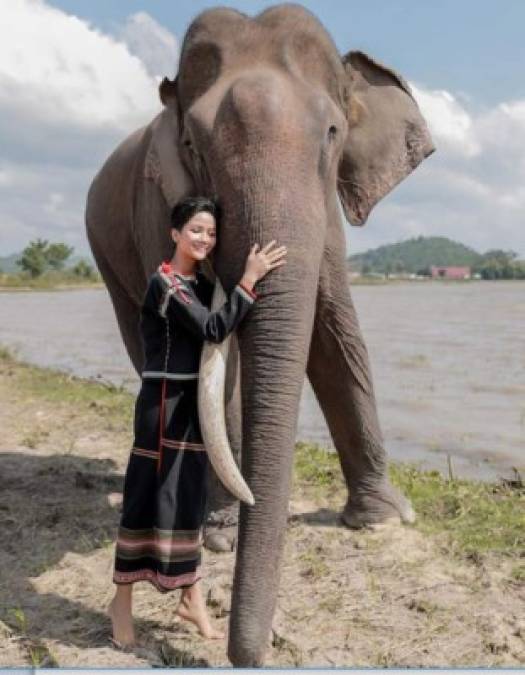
269	117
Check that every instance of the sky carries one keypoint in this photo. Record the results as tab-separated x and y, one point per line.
76	77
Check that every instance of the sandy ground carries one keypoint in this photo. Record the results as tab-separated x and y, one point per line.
388	596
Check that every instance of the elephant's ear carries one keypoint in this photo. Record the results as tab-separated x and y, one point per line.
168	92
163	163
387	135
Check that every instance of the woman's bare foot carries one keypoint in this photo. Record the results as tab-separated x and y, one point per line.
193	608
119	611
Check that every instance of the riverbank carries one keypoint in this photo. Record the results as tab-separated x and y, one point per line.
49	281
448	591
58	287
70	282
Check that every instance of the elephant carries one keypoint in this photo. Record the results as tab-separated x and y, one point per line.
265	114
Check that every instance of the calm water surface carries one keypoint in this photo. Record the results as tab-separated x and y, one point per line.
448	361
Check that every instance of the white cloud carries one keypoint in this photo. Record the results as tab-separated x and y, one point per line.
155	46
504	124
5	178
68	94
449	122
56	69
54	202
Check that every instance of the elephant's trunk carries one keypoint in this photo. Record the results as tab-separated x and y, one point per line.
274	345
268	157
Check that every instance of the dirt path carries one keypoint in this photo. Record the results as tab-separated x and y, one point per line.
385	597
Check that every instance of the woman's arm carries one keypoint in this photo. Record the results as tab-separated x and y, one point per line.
184	307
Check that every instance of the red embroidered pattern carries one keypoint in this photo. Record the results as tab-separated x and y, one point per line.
176	283
160	581
159	546
153	454
183	445
249	291
178	286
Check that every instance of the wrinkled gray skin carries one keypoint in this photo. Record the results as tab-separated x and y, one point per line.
266	114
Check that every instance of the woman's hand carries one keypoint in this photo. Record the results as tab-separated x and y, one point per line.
260	262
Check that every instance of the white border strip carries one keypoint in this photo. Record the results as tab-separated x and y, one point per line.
244	293
169	376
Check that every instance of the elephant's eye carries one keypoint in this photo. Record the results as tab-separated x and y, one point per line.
187	142
332	133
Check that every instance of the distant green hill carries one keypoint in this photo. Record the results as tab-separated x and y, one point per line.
414	255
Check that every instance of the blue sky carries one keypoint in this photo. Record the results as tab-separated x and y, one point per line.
72	88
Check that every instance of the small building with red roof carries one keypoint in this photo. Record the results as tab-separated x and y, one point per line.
449	272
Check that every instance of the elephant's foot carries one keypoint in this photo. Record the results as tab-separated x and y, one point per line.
380	504
220	530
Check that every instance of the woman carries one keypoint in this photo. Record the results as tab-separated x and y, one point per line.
160	534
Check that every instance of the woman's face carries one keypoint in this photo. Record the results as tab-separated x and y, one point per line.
197	237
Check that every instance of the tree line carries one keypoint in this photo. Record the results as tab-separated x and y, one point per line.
498	264
41	256
419	254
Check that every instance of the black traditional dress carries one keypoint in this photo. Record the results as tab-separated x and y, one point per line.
160	533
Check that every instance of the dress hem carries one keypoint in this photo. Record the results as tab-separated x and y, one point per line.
161	582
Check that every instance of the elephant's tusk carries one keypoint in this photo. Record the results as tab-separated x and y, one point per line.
212	380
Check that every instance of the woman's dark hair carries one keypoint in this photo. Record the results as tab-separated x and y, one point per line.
188	207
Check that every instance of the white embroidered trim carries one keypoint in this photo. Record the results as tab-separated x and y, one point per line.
165	301
244	293
170	376
168	281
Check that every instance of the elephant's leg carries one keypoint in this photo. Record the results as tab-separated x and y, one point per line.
339	371
127	311
220	531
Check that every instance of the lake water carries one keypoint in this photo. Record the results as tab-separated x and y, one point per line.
448	361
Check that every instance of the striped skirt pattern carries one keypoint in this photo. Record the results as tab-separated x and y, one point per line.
160	533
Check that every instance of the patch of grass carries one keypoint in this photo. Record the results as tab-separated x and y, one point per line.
478	517
316	466
180	658
331	604
283	644
40	656
423	606
383	659
369	281
6	354
108	401
19	619
414	361
314	565
34	438
49	281
517	573
37	653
